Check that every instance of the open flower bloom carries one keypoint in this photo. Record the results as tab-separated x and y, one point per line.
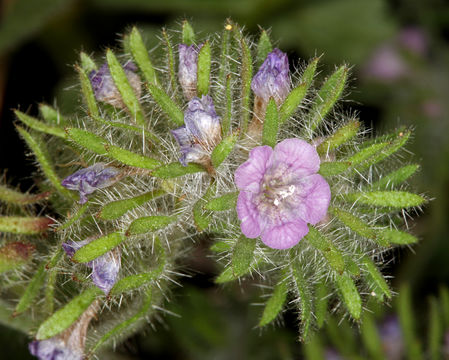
94	177
281	192
273	79
188	68
201	132
68	345
105	89
105	268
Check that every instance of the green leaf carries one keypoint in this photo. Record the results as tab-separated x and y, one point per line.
220	246
226	122
223	149
228	273
204	65
51	116
122	326
124	87
381	286
188	34
264	47
406	319
52	274
132	159
393	199
275	303
246	76
149	223
88	93
67	315
224	55
98	247
87	64
328	168
70	221
305	299
243	255
398	237
176	169
141	57
321	295
167	105
325	246
292	101
11	196
24	224
444	300
224	202
351	266
170	61
32	290
88	140
340	137
366	153
327	96
370	337
396	177
39	150
350	295
309	72
270	124
202	217
40	126
358	226
435	330
116	209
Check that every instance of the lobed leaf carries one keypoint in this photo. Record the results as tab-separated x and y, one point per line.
98	247
68	314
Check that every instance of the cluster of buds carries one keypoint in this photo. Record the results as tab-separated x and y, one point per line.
185	148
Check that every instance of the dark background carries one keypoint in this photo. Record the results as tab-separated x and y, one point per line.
400	56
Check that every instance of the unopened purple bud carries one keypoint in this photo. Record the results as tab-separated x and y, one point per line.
273	79
105	89
94	177
105	268
201	132
53	349
188	68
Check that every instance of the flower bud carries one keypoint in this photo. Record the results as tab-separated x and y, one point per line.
94	177
201	132
105	89
188	67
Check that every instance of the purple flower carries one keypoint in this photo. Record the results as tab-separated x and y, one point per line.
272	80
94	177
105	268
201	132
414	40
188	67
386	65
53	349
105	89
68	345
280	193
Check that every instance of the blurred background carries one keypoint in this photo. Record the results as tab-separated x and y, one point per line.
399	50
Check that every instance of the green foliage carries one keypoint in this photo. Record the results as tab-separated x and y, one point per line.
204	65
270	124
98	247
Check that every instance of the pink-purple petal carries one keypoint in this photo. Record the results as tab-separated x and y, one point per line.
285	236
301	157
248	214
315	196
249	175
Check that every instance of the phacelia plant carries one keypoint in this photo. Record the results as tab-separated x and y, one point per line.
218	136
